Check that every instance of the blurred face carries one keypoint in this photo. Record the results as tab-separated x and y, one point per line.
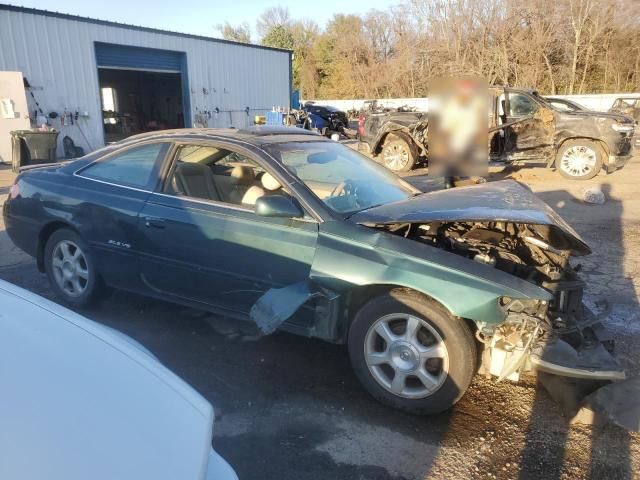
457	134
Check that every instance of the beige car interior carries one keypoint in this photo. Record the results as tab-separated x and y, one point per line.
321	189
220	175
268	184
297	163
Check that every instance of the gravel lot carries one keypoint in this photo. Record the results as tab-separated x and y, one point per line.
290	407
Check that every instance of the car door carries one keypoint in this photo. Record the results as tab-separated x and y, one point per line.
530	126
108	196
202	240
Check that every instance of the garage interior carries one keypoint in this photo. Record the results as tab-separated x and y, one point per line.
139	101
141	90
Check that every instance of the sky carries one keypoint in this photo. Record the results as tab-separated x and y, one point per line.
200	17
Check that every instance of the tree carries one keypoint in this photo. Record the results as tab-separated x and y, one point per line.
240	33
340	52
305	73
272	17
554	46
280	31
278	36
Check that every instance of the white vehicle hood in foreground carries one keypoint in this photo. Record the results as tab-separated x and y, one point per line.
80	401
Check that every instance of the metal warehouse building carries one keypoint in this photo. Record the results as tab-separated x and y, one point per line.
114	80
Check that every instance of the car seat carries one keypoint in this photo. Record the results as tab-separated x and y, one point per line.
195	180
268	185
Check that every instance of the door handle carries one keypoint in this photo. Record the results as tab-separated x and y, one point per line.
154	222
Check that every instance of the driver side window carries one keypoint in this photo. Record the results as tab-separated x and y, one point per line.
221	175
521	105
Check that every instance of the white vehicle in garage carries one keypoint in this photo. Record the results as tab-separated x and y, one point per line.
80	400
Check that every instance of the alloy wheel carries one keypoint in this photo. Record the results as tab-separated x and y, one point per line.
70	268
395	157
578	160
406	355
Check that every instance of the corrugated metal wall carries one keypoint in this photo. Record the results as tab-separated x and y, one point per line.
57	57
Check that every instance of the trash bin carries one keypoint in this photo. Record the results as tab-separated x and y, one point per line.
31	147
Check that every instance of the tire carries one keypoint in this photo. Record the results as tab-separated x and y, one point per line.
376	362
398	154
579	159
71	269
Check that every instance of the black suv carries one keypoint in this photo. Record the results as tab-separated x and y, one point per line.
523	127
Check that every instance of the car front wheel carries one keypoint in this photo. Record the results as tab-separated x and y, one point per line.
410	353
70	268
398	154
579	159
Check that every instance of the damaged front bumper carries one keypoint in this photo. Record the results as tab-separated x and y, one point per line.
580	348
586	380
616	162
593	362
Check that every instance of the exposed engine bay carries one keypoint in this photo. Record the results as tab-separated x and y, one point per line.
514	248
561	336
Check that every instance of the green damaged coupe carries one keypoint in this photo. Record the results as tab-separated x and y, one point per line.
298	233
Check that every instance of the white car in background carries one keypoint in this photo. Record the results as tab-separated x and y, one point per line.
80	401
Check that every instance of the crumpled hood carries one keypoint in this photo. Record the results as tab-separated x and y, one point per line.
506	200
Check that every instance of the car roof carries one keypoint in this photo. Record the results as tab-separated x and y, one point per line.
331	108
562	100
500	88
256	135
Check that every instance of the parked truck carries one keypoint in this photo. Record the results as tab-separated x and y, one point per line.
523	127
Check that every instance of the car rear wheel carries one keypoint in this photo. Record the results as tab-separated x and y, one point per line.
410	353
398	154
579	159
70	268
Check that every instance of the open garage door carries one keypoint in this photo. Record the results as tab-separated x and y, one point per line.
141	90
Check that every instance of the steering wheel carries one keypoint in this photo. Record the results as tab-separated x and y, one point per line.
346	187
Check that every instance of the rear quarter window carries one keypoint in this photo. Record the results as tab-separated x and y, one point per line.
135	167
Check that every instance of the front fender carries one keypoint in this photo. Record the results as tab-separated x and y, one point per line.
388	128
363	256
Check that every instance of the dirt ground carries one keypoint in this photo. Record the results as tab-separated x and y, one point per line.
290	407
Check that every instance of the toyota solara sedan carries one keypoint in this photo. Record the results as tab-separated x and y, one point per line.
299	233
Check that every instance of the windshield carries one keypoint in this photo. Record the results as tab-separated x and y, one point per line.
343	179
626	103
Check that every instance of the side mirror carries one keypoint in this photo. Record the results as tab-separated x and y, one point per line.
281	206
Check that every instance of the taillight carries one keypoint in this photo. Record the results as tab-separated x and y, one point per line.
14	191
